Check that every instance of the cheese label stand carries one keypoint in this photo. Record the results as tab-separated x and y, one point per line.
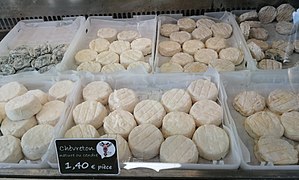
87	156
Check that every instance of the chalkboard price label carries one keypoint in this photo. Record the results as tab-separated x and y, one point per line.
87	156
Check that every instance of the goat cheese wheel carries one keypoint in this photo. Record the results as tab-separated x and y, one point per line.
207	112
17	128
277	151
90	112
192	46
171	67
205	55
85	55
195	67
2	111
269	64
90	66
22	107
284	28
128	35
34	148
136	66
258	33
251	15
99	45
82	131
262	44
178	123
284	12
205	22
107	57
41	95
119	46
178	149
249	102
119	122
180	37
181	58
107	33
223	30
256	51
222	65
267	14
50	112
202	89
112	68
124	98
145	141
167	29
11	90
245	29
186	24
142	44
280	101
176	100
97	91
232	54
130	56
60	90
149	111
290	121
10	149
212	142
202	33
169	48
263	123
216	43
124	152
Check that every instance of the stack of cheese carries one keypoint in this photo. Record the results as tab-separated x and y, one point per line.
115	51
28	118
192	46
147	128
268	120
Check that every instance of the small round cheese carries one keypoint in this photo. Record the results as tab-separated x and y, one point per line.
145	141
107	33
284	46
267	14
181	58
171	67
192	46
128	35
50	112
82	131
280	101
97	91
90	112
178	149
149	111
202	89
169	48
124	98
90	66
11	90
256	51
202	33
284	12
205	22
130	56
119	122
41	95
186	24
119	46
60	90
99	45
285	28
142	44
290	122
180	37
269	64
85	55
251	15
195	67
254	24
216	43
223	30
112	68
249	102
222	65
107	57
22	107
178	123
176	100
205	55
17	128
10	149
262	44
34	148
136	66
167	29
258	33
232	54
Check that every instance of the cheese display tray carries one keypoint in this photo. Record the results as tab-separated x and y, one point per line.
235	40
262	82
152	87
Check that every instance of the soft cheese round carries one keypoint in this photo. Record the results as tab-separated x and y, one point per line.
205	22
119	46
181	58
112	68
107	33
180	37
251	15
128	35
262	44
245	29
90	66
169	48
130	56
85	55
205	55
223	30
191	46
269	64
17	128
216	43
82	131
41	95
167	29
176	100
258	33
10	90
202	89
232	54
256	51
284	28
186	24
10	149
195	67
222	65
290	122
124	98
50	112
99	45
107	57
267	14
97	91
60	90
284	12
171	67
202	33
280	101
142	44
249	102
139	65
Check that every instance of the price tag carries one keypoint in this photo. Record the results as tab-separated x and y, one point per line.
87	156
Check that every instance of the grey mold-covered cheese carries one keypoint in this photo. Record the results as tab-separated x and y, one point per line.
46	68
21	62
26	69
7	69
4	59
42	61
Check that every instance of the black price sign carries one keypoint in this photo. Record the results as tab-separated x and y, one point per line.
87	156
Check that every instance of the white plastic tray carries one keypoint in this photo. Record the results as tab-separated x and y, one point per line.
236	39
262	82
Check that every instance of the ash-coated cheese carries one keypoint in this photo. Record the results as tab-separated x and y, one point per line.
195	67
249	102
182	58
171	67
216	43
107	57
85	55
17	128
136	66
82	131
176	100
223	30
212	142
145	141
258	33
191	46
119	122
280	101
10	90
107	33
142	44
10	149
119	46
60	90
90	66
123	98
263	123
90	112
128	35
284	12
202	89
269	64
251	15
232	54
112	68
285	28
267	14
99	45
41	95
290	122
50	112
167	29
180	37
22	107
130	56
186	24
97	91
222	65
178	123
169	48
205	22
178	149
149	111
34	148
202	33
205	55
